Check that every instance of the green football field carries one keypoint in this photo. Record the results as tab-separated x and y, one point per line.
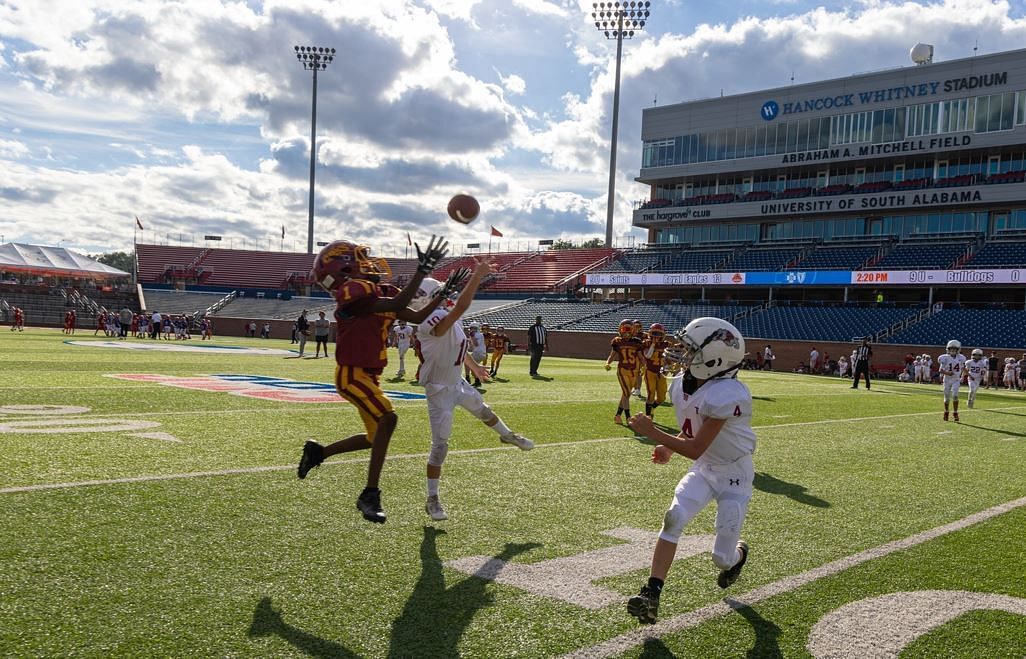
159	514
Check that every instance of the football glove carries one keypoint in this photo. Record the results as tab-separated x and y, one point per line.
428	259
609	367
454	283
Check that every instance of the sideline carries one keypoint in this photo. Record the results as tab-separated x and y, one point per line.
620	644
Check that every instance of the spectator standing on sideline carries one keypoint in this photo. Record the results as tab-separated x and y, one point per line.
862	355
814	361
125	315
252	329
303	329
322	326
768	357
537	343
155	322
992	371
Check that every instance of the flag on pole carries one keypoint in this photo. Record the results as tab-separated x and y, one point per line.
496	233
409	241
138	223
283	232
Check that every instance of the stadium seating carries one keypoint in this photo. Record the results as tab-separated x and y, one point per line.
672	316
820	323
991	328
179	302
1000	253
762	259
690	260
838	257
554	314
543	271
921	255
636	261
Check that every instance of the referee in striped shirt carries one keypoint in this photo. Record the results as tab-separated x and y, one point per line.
537	343
862	355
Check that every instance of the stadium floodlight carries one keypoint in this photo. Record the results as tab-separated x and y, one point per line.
313	58
617	20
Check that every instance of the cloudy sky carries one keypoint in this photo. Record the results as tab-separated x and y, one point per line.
195	115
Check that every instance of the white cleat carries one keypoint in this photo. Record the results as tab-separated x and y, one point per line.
434	508
522	443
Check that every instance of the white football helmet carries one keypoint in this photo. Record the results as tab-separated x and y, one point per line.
954	347
709	348
977	353
427	290
475	327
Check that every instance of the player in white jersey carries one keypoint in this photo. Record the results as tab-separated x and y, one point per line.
950	366
444	346
402	335
1011	366
478	350
974	371
714	412
927	369
917	369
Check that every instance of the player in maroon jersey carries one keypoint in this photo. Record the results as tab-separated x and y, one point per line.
365	316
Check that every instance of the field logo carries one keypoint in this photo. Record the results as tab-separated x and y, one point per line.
181	347
770	110
257	386
40	420
570	578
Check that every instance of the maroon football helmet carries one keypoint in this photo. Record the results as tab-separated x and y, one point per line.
343	260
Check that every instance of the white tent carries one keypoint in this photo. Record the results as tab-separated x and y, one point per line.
52	261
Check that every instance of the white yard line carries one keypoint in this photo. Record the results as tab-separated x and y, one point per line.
251	470
633	639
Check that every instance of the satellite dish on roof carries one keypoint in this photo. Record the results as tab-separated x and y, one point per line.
922	53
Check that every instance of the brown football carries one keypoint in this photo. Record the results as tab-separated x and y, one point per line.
463	208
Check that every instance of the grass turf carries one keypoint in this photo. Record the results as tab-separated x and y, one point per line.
257	563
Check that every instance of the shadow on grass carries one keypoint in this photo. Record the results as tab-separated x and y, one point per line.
767	633
542	377
1002	412
435	617
268	622
654	648
768	399
772	485
1008	433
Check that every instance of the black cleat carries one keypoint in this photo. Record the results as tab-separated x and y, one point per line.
644	606
728	577
313	455
369	504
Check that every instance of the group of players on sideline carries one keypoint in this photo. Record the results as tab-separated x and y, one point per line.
125	323
697	369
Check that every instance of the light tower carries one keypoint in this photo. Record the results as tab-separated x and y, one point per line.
313	58
617	20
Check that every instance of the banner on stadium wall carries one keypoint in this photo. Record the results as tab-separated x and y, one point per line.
813	278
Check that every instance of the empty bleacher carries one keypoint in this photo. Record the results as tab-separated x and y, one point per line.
637	261
999	254
813	323
761	258
179	302
542	272
921	255
554	314
992	328
690	260
672	316
838	257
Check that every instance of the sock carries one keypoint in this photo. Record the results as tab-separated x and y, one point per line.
648	409
619	411
500	427
627	411
432	487
655	585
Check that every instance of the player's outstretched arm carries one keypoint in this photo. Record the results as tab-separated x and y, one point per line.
426	262
481	270
475	368
609	359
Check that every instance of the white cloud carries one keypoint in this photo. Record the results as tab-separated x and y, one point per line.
513	83
12	149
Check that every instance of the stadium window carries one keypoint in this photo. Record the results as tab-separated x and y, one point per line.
780	142
730	143
993	165
982	113
860	175
941	170
1007	110
1020	108
822	178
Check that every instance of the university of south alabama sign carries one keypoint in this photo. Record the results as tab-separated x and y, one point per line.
772	109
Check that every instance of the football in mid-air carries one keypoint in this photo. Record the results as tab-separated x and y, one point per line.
463	208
